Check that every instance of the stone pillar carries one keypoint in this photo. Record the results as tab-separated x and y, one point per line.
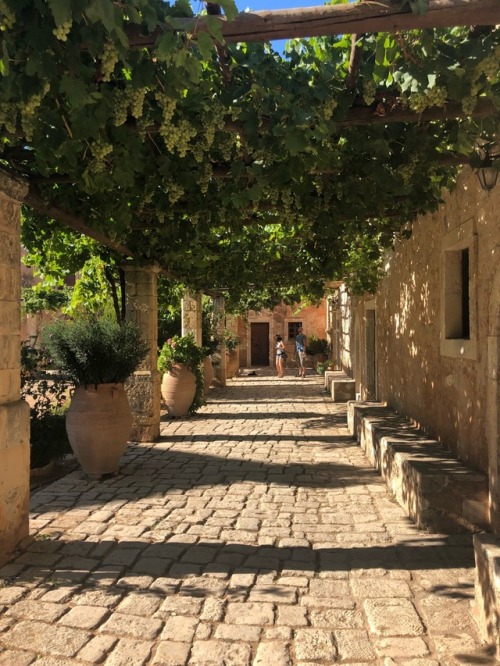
191	315
220	367
14	412
143	387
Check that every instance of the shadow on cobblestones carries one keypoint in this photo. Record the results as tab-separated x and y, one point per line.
165	471
71	561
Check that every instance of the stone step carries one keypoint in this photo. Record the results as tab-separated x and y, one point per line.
436	490
341	387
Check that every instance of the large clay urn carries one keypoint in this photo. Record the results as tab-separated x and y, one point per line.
232	363
178	388
98	423
208	373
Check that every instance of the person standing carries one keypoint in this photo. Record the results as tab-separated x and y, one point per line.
300	348
280	356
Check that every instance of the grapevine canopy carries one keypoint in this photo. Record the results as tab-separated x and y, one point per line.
231	165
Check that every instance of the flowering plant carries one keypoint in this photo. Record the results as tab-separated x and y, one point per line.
180	349
183	349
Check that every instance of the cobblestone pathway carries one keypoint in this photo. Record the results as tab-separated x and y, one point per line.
254	533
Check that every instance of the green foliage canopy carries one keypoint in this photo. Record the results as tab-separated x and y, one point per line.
234	166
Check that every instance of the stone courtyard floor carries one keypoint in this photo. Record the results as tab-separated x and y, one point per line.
254	533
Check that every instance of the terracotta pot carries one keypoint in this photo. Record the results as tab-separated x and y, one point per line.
178	388
98	423
208	373
232	363
319	358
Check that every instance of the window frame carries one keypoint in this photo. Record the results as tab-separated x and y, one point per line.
296	323
453	340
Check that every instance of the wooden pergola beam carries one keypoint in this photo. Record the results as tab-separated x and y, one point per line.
392	112
449	160
34	200
356	18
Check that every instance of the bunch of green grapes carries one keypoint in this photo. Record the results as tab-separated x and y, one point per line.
137	97
177	137
369	90
175	191
7	16
167	106
214	122
319	186
469	104
28	111
329	107
198	150
62	31
109	59
286	197
120	107
205	177
406	173
436	96
8	114
100	149
271	194
225	145
489	67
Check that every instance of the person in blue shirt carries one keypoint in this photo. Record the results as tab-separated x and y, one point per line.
300	347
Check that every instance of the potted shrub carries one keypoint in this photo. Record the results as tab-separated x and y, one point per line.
231	340
97	355
180	362
318	348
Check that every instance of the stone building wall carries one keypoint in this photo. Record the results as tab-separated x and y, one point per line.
313	318
424	366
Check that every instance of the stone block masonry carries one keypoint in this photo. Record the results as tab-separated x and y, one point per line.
436	490
14	412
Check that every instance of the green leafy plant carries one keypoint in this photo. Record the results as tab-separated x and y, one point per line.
231	340
317	345
48	397
39	298
321	368
183	349
95	351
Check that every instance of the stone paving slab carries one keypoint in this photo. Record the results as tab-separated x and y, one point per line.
255	533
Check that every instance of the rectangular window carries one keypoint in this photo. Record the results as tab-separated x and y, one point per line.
457	295
465	295
458	334
293	329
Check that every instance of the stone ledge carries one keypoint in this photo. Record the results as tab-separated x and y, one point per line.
434	488
341	387
486	608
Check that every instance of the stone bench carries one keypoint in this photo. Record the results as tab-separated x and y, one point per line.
434	488
486	608
341	387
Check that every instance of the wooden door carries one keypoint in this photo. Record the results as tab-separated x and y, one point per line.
371	366
259	344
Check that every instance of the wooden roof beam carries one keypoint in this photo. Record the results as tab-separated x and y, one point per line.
356	18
